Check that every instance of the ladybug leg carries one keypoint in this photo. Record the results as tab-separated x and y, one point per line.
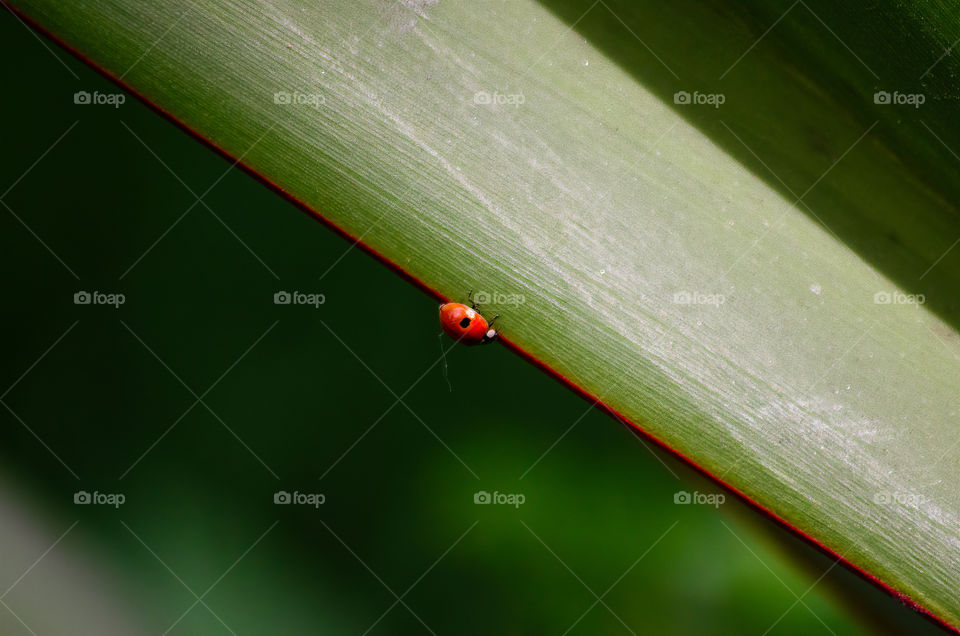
470	299
490	324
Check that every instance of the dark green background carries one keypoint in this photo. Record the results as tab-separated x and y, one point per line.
298	400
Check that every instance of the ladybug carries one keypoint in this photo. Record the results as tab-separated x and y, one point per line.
465	324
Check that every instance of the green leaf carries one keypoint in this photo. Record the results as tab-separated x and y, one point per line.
673	277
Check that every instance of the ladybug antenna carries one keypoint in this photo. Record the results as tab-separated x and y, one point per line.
443	356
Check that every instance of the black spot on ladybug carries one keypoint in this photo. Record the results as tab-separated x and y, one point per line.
465	323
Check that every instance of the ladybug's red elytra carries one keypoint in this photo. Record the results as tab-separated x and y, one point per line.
465	324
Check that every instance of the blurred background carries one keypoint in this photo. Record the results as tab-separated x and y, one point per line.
183	412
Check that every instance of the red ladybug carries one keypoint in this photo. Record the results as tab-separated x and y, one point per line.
465	324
